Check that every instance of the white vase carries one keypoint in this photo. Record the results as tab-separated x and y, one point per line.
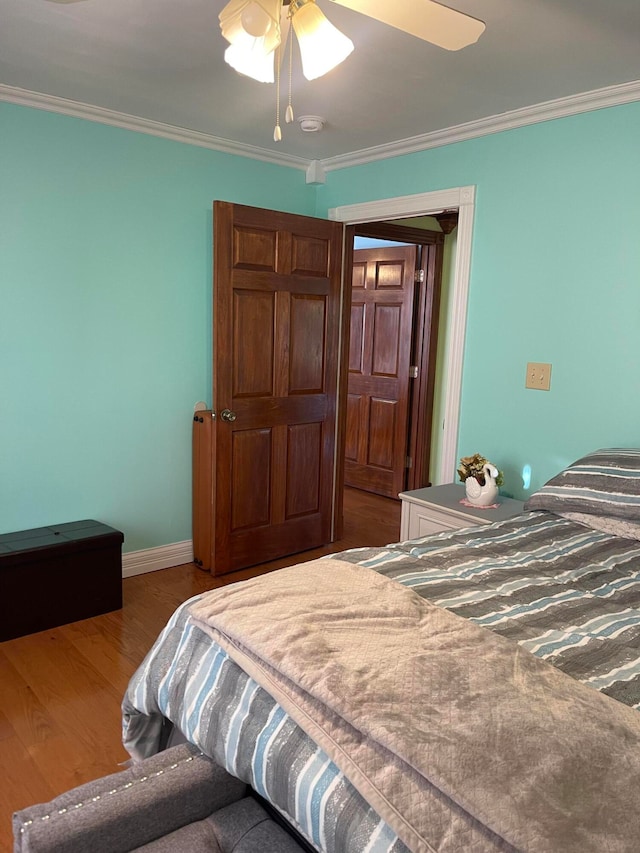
480	495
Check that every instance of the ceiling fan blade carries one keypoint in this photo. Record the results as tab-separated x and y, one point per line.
424	19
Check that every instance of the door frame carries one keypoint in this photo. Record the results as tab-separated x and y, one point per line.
425	318
461	199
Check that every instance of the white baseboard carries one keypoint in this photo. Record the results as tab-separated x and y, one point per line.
152	559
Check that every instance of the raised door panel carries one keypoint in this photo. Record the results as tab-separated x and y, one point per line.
253	343
356	338
310	256
359	275
387	323
254	249
390	275
250	478
307	321
304	460
355	411
382	432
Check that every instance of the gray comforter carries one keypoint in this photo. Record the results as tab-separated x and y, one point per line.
563	592
440	724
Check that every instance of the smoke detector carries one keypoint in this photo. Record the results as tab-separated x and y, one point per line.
311	124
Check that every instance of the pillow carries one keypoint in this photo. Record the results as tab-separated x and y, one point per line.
619	527
606	482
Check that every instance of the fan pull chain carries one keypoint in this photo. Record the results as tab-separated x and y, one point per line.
289	113
277	132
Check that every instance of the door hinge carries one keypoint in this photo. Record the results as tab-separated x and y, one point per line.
413	371
409	462
419	277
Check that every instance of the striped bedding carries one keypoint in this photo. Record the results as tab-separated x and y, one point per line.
605	482
565	592
190	681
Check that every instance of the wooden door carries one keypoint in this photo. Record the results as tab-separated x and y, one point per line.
276	311
379	359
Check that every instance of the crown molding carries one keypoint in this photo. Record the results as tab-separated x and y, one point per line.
51	103
610	96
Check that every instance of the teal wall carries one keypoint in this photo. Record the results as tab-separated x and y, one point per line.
105	302
555	277
105	317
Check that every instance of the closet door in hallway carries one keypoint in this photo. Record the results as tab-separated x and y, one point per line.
382	307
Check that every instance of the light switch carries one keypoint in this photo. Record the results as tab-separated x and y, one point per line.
538	376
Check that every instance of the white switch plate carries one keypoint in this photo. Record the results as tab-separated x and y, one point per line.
538	376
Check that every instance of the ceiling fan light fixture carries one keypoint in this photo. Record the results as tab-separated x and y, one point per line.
256	20
252	24
322	46
252	62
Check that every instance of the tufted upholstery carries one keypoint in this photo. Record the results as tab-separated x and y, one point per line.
175	801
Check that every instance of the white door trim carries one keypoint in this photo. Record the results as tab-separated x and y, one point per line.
421	204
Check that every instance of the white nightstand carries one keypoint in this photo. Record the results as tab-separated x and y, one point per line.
438	508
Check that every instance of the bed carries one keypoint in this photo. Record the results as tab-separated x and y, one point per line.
474	690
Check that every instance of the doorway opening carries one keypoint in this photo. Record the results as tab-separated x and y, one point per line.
460	200
396	283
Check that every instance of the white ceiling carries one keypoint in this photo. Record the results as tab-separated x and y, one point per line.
162	61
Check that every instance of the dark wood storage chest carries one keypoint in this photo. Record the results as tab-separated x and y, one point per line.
50	576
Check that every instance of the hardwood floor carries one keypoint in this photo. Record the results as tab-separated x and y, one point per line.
60	690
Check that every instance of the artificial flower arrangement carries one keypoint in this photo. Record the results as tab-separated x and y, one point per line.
472	466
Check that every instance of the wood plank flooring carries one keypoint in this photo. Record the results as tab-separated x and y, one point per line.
60	690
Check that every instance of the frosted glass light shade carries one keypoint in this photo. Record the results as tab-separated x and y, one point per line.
256	20
252	62
252	24
322	46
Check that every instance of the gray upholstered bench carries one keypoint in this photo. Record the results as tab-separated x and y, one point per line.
176	801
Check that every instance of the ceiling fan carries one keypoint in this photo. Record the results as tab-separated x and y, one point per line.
258	31
425	19
256	28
